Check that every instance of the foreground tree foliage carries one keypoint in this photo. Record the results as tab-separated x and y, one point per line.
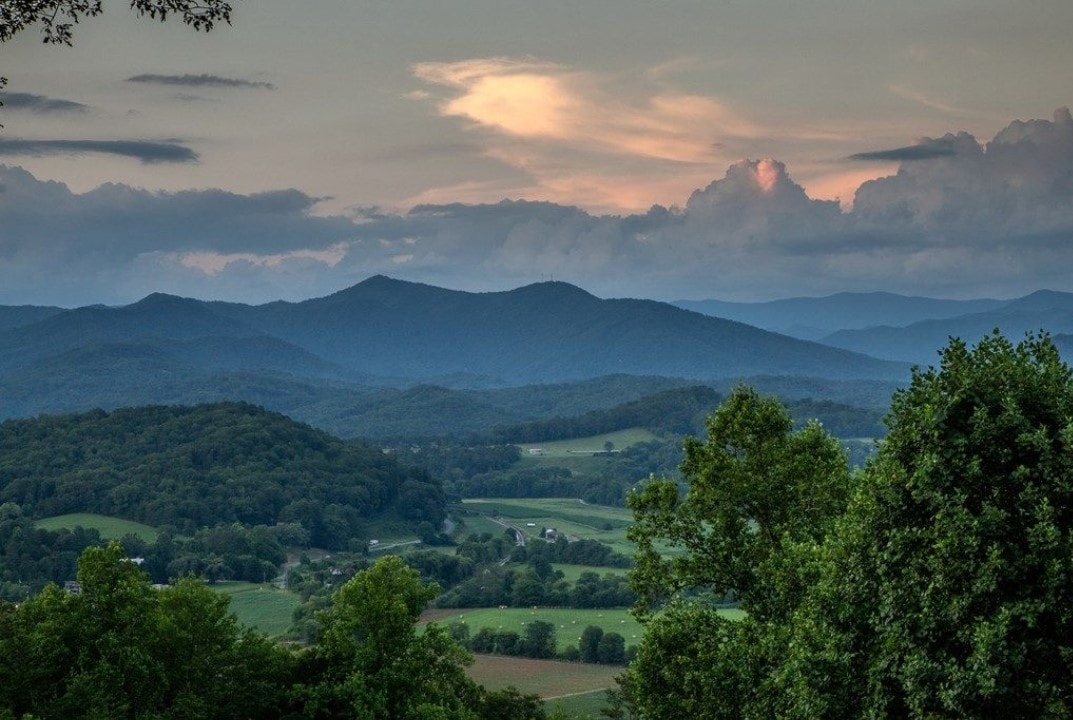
941	589
122	649
760	498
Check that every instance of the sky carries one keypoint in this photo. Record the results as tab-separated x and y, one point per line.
682	149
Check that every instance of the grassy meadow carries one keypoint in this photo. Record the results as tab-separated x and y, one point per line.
568	515
571	573
557	449
110	528
263	607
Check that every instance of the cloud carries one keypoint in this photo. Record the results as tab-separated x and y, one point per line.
927	149
203	80
149	152
115	243
554	124
993	219
41	104
908	93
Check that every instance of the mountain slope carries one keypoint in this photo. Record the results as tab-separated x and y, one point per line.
547	332
811	318
920	342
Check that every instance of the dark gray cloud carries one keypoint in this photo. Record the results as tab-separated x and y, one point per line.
926	150
992	219
148	151
40	103
203	80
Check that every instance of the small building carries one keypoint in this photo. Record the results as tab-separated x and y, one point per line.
73	586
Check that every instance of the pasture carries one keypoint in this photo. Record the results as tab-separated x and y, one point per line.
546	678
587	445
568	515
265	608
110	528
571	573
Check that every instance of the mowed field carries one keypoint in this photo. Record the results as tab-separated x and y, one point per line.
110	528
586	445
567	515
263	607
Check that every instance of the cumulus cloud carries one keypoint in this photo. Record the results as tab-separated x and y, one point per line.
203	80
41	104
147	151
988	219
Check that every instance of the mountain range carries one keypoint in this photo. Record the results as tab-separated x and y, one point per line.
390	357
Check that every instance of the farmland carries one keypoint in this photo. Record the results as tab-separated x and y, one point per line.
567	515
546	678
110	528
587	445
262	607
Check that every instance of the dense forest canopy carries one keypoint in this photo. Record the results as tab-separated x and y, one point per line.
201	466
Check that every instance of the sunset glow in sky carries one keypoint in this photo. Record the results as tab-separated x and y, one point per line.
313	144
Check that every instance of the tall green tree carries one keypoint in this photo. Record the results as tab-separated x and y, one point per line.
370	661
759	500
948	589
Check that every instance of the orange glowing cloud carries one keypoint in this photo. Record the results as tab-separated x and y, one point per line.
535	100
576	139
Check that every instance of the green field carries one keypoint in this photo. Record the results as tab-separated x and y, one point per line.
110	528
568	515
582	705
262	607
571	573
546	678
587	445
479	524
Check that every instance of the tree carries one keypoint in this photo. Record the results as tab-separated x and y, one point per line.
941	590
589	644
760	498
370	662
946	591
123	649
756	491
612	649
540	639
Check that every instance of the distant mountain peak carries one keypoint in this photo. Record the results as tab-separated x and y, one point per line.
552	288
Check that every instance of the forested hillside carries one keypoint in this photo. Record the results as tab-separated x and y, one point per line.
193	467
